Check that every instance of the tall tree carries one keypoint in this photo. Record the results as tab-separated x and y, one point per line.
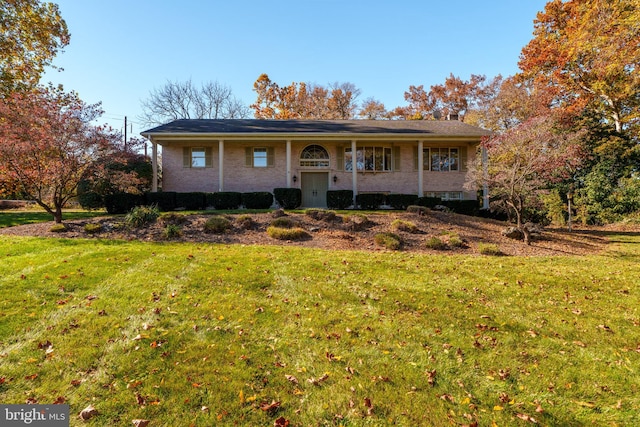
588	51
523	161
372	109
47	144
454	96
184	100
31	34
303	100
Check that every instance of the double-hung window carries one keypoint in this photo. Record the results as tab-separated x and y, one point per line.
197	157
259	157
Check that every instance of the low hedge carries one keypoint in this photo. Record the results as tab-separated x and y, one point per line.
164	200
193	201
370	201
401	201
288	198
339	199
224	200
428	202
257	200
121	203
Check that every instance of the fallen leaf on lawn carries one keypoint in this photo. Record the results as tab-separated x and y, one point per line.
580	344
431	377
45	345
31	377
539	409
605	327
281	422
140	423
368	405
532	333
447	397
140	399
270	406
585	404
139	337
291	378
88	413
59	400
498	408
526	417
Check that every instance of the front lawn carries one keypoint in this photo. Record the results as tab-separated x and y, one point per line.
201	334
11	218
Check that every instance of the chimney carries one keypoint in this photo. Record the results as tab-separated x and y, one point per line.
452	116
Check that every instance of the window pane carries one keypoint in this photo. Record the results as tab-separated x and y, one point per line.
259	157
435	159
426	159
453	159
368	158
379	159
387	159
360	159
198	158
348	159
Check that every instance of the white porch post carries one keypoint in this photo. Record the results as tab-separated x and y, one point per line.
220	165
288	164
420	169
354	171
485	175
154	166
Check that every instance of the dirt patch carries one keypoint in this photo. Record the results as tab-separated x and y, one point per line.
343	232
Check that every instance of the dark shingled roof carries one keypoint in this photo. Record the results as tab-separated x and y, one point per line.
324	127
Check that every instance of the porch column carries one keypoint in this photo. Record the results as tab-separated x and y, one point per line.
354	171
485	176
220	165
288	164
420	168
154	167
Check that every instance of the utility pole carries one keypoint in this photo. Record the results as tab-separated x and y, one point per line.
125	133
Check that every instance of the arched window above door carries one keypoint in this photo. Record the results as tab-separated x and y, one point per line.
314	156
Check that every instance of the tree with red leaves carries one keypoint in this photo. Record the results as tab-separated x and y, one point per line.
525	160
48	143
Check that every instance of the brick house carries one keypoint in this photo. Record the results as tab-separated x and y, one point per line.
316	156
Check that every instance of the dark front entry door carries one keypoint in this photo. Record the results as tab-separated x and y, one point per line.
314	186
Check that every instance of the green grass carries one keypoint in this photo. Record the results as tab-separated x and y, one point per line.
12	218
200	334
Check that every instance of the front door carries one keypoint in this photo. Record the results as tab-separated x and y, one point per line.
314	186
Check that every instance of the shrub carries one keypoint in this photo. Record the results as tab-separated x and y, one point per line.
141	216
121	203
418	210
370	201
339	199
217	225
402	225
283	222
428	202
58	228
388	240
257	200
172	218
224	200
358	222
164	200
92	228
435	243
489	249
90	200
172	231
321	214
401	201
193	201
279	233
455	241
288	198
245	222
464	207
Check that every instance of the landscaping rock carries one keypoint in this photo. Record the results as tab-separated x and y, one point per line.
513	233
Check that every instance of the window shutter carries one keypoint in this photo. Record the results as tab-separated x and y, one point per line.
340	158
186	157
396	158
248	156
208	157
463	159
271	156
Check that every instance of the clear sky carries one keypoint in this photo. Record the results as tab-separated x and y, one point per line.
120	50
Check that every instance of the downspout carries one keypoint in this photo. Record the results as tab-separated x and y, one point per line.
220	165
354	171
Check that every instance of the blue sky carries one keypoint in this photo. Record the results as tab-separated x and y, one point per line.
121	50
